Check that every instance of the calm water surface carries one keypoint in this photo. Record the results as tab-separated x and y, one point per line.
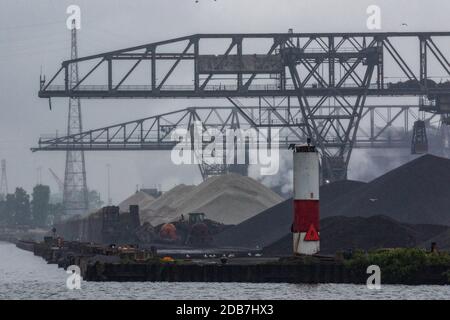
24	276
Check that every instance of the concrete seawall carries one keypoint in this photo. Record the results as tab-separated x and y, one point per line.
191	272
99	263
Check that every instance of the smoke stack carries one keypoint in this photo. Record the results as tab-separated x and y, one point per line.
306	231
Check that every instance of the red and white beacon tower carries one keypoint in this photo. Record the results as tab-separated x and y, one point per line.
305	229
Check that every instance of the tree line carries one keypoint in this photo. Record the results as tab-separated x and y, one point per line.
35	210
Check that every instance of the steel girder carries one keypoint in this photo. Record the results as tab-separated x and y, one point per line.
315	68
156	70
381	127
343	126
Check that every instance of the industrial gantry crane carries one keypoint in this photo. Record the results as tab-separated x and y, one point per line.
313	85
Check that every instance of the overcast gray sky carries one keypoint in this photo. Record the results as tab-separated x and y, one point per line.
33	35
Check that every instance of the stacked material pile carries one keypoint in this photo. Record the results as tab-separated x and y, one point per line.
273	224
343	233
406	200
140	199
417	192
228	199
165	206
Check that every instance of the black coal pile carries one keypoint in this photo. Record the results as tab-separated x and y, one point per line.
333	191
343	233
274	223
417	192
405	207
442	240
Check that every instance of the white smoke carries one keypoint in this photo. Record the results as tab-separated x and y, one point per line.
283	180
366	165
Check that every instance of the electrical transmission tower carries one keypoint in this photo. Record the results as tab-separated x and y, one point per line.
75	196
3	182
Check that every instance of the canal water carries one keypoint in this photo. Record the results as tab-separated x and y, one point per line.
24	276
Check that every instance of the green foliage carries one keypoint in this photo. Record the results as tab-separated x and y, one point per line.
21	207
40	205
443	258
402	264
17	209
3	214
9	208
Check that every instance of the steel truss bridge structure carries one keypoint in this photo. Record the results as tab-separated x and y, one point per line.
385	127
312	85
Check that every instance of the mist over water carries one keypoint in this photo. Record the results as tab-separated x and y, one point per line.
24	276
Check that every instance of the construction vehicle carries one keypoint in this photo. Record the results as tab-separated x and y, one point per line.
196	231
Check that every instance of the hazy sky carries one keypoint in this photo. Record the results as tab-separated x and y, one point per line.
33	36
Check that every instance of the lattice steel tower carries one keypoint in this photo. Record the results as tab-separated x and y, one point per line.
75	197
3	182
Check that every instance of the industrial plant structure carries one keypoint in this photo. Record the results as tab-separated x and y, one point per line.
309	84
